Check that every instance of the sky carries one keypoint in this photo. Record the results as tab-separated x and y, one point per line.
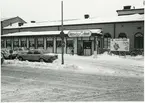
49	10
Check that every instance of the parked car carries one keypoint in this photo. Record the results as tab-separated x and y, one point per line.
9	54
2	58
37	55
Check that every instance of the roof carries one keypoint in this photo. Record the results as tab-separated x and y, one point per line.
97	31
125	18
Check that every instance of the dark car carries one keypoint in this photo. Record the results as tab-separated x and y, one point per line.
37	55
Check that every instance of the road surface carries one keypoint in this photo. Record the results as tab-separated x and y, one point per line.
23	84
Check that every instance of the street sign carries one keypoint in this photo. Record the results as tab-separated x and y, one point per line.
62	34
79	33
119	44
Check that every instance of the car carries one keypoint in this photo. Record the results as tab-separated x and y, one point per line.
37	55
9	54
2	58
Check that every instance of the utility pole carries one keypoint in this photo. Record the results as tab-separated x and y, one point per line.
62	34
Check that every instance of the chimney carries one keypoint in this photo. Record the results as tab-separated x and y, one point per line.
33	21
86	16
127	7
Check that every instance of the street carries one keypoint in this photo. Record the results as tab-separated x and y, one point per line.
27	84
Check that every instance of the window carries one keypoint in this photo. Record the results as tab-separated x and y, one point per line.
107	38
23	42
49	43
2	44
138	43
69	43
40	42
58	43
8	43
31	42
122	35
16	43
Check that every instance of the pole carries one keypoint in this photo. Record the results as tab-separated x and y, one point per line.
62	31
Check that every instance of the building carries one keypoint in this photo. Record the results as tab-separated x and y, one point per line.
84	36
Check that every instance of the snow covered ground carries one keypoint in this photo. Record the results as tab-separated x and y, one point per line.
103	64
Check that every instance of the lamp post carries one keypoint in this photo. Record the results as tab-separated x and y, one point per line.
62	34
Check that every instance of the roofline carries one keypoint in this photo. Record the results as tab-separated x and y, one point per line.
74	24
130	9
13	18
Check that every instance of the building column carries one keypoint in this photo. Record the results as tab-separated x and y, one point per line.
75	45
44	41
19	42
5	44
27	40
54	44
12	41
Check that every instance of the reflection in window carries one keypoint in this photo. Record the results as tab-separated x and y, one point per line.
40	42
49	43
31	43
23	42
16	43
58	43
107	38
2	44
69	43
8	43
138	43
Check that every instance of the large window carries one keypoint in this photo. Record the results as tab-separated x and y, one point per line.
23	42
16	42
40	42
139	42
8	43
49	43
107	38
2	43
69	43
31	42
58	43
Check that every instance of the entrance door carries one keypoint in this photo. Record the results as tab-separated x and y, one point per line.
87	46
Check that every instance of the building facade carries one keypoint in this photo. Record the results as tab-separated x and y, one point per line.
87	35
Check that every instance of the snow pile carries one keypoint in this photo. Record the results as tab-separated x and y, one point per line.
103	64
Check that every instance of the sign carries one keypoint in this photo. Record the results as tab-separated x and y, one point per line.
79	33
119	45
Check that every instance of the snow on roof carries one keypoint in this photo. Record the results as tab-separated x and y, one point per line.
30	33
126	18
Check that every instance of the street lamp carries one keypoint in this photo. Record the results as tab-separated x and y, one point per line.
62	34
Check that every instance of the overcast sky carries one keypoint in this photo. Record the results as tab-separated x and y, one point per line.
47	10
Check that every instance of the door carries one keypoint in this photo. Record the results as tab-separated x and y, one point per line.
87	46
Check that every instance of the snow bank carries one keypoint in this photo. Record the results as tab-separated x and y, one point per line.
103	64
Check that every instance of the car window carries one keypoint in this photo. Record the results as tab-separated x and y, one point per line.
37	52
30	52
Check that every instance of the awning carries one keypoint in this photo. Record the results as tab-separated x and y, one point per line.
30	33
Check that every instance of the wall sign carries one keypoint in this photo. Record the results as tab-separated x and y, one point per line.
119	45
79	33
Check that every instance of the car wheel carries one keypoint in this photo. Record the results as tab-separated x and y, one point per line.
41	60
20	58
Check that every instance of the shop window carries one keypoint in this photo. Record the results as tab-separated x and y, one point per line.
122	35
31	43
8	43
40	42
49	43
23	42
138	43
2	44
69	43
58	43
16	43
107	38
